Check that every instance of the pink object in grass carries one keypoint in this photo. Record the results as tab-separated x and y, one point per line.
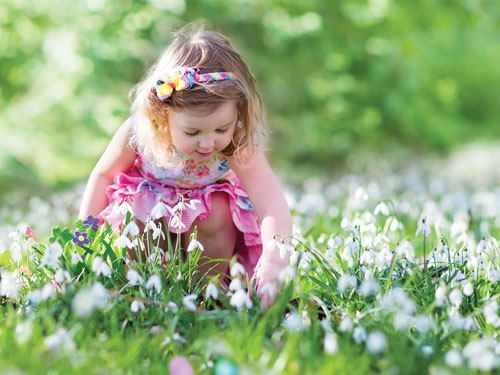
30	233
179	365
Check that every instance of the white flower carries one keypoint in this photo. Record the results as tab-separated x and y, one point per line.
189	302
62	276
269	288
440	295
172	306
160	210
235	285
195	244
154	282
427	350
75	258
123	241
346	324
237	269
134	277
423	323
124	208
240	300
61	340
359	335
453	358
100	267
381	208
271	245
191	204
37	296
293	321
51	255
401	321
330	343
131	228
9	285
423	228
334	243
211	291
455	297
285	249
468	289
87	299
176	223
376	342
136	305
346	282
368	287
23	331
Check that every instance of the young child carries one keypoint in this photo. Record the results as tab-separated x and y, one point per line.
196	130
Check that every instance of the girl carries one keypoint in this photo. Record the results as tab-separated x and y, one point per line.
196	131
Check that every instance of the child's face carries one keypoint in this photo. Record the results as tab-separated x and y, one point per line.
200	135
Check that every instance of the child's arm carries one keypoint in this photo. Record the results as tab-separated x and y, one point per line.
266	195
118	157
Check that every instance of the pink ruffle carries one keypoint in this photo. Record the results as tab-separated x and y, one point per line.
143	194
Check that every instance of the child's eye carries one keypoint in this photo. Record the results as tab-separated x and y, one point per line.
191	134
222	130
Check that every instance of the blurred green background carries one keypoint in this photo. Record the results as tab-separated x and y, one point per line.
338	78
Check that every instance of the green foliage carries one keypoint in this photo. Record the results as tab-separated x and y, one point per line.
337	77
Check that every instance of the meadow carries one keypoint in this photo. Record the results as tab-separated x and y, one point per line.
396	273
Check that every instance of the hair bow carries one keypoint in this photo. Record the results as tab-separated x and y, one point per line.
184	79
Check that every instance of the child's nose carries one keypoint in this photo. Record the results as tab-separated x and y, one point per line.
207	142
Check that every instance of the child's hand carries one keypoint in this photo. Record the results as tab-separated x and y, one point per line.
274	259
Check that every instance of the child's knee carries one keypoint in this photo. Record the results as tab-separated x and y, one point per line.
220	218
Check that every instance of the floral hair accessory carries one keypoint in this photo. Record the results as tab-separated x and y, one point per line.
184	79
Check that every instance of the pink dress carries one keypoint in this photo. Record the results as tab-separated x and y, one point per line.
144	185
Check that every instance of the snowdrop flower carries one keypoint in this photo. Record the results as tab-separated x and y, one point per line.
124	208
293	321
271	245
326	325
134	277
211	291
467	288
407	250
294	258
334	243
368	287
235	285
288	273
440	295
384	258
100	267
376	342
136	305
427	350
194	244
62	276
154	282
479	355
346	324
367	257
359	335
51	255
455	297
75	258
453	358
37	296
160	210
237	269
269	288
172	306
88	299
240	300
423	323
9	285
423	228
189	302
191	204
469	324
346	282
123	241
401	321
131	228
491	315
61	340
23	331
176	223
330	343
381	208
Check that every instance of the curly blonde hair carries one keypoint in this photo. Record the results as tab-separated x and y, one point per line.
210	52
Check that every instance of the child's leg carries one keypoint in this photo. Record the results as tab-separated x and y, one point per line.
217	234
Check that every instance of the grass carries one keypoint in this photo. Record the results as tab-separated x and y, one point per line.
358	299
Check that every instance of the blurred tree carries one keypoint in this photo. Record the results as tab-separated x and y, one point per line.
337	77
